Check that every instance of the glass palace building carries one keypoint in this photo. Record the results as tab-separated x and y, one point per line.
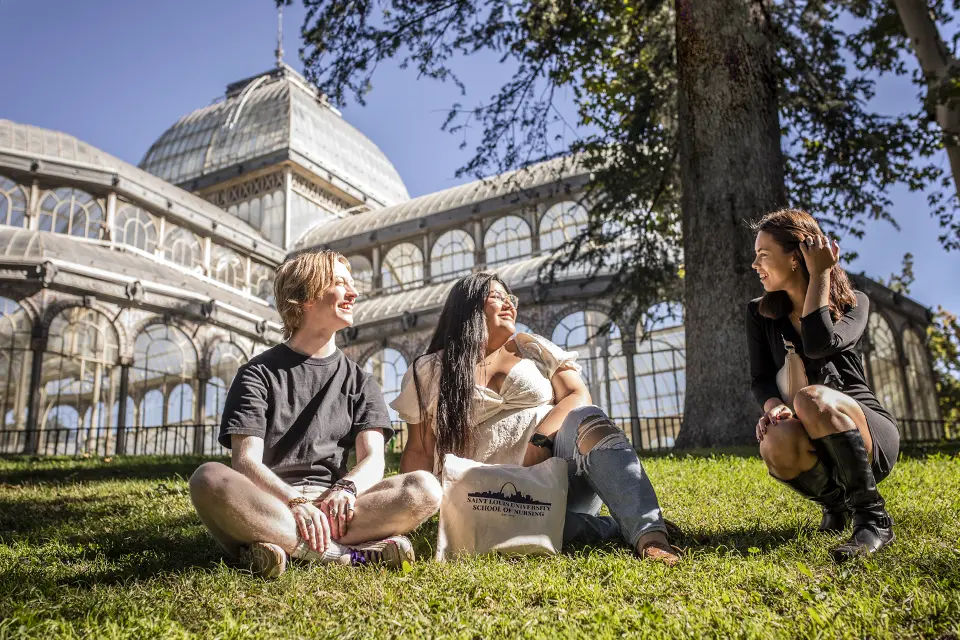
129	296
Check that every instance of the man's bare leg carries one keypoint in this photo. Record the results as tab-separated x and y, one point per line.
238	513
394	506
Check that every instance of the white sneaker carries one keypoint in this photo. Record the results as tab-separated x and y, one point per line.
264	559
391	552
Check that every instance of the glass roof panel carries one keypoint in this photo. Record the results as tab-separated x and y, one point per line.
446	200
273	112
37	246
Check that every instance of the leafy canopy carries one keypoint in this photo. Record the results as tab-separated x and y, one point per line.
617	58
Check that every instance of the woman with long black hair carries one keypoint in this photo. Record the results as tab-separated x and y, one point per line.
823	431
482	393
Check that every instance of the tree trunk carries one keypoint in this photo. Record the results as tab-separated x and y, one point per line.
731	171
938	67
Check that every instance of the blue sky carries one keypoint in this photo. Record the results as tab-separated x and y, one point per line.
117	73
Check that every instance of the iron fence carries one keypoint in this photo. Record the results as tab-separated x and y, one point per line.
652	434
178	439
928	431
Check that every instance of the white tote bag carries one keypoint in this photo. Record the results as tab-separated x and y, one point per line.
501	508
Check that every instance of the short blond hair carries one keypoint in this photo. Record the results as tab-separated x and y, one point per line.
302	279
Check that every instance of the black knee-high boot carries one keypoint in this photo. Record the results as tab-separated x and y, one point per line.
818	485
872	525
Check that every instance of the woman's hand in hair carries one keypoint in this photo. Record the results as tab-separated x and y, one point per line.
820	253
772	417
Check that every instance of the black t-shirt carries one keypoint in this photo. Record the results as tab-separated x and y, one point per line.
830	351
307	410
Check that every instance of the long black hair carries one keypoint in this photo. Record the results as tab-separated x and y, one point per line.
461	334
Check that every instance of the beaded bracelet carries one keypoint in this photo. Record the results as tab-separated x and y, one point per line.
295	501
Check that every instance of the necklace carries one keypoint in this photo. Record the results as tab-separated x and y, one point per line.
484	364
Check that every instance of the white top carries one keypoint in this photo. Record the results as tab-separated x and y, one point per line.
504	421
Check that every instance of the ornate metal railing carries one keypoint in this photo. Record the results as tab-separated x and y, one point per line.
646	433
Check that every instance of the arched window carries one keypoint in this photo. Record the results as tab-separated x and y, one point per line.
561	223
305	214
151	410
72	212
508	238
131	416
261	282
180	405
15	360
225	359
362	272
600	355
256	213
13	203
402	268
660	362
135	227
227	267
919	381
452	255
387	367
79	372
522	328
62	417
273	214
164	360
216	398
884	365
183	248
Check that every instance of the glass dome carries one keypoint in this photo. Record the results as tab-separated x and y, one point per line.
268	119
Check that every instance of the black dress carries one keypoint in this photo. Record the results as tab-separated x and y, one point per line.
831	356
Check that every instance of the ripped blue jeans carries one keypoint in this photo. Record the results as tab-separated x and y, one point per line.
610	473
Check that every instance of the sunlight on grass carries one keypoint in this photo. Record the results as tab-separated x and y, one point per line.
90	548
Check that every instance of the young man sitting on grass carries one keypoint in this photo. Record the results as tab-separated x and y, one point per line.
292	416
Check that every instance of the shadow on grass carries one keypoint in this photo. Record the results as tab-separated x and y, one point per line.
63	470
37	470
38	521
742	541
926	450
135	554
67	470
736	452
907	450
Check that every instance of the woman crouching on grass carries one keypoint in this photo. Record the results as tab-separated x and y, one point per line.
481	393
833	440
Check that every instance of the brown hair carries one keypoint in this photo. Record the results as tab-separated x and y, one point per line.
789	227
302	279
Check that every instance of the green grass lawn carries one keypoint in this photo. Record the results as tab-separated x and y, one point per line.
98	549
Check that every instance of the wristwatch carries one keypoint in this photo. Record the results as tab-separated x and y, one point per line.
540	440
345	485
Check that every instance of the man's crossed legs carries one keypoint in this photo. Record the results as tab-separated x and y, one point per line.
258	527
